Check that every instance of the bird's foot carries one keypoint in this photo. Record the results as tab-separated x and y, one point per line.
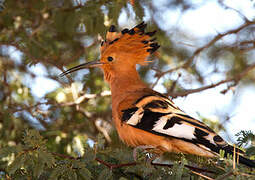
142	148
150	157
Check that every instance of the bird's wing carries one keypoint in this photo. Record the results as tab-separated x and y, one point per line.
157	114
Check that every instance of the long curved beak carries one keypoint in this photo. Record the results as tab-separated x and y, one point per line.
82	66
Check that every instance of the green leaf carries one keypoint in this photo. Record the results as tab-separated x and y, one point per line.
70	174
38	169
7	150
47	158
85	173
88	156
33	139
244	137
122	178
56	173
71	23
105	175
250	151
178	169
100	141
16	164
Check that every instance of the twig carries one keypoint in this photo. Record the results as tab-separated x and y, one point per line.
113	166
29	108
202	175
234	157
187	63
226	175
103	130
191	91
232	79
159	74
174	83
64	156
187	166
221	2
215	39
78	101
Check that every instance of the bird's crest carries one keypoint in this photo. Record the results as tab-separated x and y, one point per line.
135	44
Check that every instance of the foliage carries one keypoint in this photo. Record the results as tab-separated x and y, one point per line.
34	160
245	138
67	132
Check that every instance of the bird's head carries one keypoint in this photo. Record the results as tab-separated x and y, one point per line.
121	51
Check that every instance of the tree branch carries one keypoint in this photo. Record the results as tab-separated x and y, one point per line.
64	156
187	166
214	40
202	175
188	62
234	79
113	166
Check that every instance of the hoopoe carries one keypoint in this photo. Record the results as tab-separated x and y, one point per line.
142	116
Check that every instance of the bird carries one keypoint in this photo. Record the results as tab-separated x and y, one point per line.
144	117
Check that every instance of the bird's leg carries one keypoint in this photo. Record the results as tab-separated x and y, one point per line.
143	147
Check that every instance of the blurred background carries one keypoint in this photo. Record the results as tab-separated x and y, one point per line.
205	64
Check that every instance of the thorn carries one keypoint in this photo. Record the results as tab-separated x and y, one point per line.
124	31
151	33
112	28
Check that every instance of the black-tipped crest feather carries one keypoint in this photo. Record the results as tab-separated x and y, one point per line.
112	28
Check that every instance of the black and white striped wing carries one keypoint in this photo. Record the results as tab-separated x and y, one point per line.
158	115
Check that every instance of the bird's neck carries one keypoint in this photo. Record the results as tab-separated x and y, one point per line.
125	82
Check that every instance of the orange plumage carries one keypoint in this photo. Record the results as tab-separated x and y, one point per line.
144	117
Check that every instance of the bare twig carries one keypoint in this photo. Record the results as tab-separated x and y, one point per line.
242	47
113	166
187	166
29	108
202	175
234	79
78	101
214	40
221	2
230	173
234	156
103	130
64	156
188	62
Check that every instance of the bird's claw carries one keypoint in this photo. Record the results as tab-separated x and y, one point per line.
143	147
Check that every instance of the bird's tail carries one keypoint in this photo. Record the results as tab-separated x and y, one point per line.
238	156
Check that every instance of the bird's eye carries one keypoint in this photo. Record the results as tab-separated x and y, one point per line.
109	58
